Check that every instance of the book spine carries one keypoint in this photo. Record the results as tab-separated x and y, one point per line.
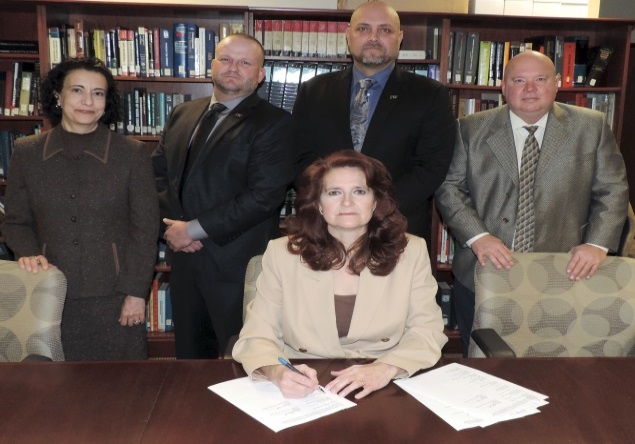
180	50
192	65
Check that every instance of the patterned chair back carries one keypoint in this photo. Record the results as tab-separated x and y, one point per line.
538	311
31	307
254	267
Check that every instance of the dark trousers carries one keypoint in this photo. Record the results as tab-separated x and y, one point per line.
463	299
206	311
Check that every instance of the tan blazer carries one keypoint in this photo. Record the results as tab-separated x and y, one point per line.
580	187
396	319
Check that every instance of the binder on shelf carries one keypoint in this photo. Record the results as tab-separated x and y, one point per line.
458	58
192	65
166	56
471	58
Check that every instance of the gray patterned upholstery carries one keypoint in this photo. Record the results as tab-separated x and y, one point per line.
254	267
31	307
538	311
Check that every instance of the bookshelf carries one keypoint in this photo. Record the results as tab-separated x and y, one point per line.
30	20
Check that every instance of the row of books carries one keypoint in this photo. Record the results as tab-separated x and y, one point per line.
482	62
7	140
18	47
159	305
145	113
20	89
472	61
302	38
603	102
185	51
445	245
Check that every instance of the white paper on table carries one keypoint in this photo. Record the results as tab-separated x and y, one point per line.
263	401
465	390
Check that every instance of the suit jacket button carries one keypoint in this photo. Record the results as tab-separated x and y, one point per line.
385	339
302	350
505	220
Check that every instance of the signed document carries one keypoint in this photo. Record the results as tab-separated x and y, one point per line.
263	401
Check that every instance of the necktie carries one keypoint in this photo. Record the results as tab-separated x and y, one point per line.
203	131
524	238
360	112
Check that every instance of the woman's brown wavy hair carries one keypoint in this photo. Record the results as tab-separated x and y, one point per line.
382	244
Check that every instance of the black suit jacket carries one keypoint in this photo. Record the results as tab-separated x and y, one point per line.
235	187
411	131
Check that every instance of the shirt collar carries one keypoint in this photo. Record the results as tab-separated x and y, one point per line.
381	77
517	122
230	104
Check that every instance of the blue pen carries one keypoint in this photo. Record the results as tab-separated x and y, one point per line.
288	365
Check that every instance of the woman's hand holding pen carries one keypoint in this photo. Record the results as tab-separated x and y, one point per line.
290	383
369	377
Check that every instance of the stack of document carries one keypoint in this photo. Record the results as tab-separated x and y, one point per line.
263	401
464	397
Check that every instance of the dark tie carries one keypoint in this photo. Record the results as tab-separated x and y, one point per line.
360	112
202	133
525	225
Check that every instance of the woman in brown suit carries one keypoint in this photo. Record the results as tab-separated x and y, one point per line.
82	198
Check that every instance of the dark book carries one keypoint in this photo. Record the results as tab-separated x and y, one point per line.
191	34
17	88
294	71
115	57
450	56
499	63
129	112
180	50
157	51
210	51
458	58
166	56
471	58
6	148
265	88
579	68
444	299
142	46
150	46
432	43
558	57
3	86
64	41
278	79
600	56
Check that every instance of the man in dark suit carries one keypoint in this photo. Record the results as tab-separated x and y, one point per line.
220	188
580	193
410	127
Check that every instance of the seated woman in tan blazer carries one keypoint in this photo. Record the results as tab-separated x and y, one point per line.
346	282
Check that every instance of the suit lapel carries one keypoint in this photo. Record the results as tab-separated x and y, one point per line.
387	101
555	139
341	103
501	142
194	117
235	117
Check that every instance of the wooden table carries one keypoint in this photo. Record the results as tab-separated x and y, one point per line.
591	401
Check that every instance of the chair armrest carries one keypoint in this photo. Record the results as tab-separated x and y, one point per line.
37	358
230	347
492	344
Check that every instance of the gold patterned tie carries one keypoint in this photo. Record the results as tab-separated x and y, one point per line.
360	112
525	224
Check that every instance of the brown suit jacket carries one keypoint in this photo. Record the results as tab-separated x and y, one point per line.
94	217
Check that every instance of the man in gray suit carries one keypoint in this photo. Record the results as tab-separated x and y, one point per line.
580	193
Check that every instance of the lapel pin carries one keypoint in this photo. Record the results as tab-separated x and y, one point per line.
394	97
238	115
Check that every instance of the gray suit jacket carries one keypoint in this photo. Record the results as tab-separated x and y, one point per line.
580	187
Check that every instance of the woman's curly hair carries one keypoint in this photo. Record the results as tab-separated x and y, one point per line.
53	83
378	249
